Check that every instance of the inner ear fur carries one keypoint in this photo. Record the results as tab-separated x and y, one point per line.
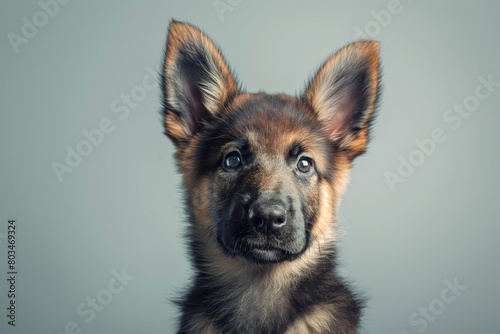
197	81
344	93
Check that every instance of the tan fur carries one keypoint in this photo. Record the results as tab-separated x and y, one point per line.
322	231
317	321
174	128
200	196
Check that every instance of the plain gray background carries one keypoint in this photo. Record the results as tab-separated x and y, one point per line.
120	208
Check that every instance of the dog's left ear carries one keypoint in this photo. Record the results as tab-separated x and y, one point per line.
197	82
344	95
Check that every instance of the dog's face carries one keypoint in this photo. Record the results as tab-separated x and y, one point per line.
263	173
266	161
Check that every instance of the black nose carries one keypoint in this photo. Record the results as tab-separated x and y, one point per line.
267	218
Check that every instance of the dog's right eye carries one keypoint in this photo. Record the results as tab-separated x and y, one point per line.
232	160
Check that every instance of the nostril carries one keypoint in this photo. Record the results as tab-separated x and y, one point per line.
267	218
279	222
258	222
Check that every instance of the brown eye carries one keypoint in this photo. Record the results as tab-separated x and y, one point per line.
232	160
304	165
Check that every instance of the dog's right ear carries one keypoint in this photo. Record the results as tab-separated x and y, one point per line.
197	82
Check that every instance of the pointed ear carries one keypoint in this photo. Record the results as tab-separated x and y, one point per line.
197	82
344	94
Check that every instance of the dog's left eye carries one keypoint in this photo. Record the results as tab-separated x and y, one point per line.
304	165
232	160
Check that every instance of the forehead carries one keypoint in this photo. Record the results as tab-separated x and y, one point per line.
272	123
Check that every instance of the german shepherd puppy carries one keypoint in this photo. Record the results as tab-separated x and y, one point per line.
263	177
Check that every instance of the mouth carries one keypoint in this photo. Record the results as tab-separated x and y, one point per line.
260	248
266	255
262	254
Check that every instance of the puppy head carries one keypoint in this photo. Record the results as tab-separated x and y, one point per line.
264	173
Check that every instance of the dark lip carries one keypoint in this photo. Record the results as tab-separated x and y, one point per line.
262	253
255	253
264	247
258	253
264	256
